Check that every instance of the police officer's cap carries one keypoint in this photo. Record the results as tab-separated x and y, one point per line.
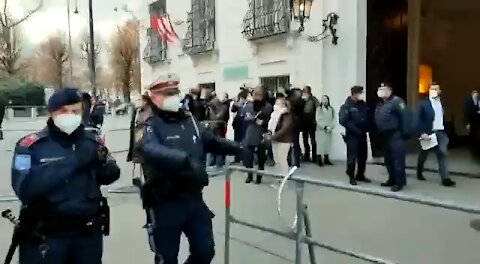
385	84
356	89
64	96
165	82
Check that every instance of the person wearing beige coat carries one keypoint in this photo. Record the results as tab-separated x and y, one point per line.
326	122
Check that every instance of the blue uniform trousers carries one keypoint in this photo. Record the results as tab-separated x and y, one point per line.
395	151
189	216
63	249
357	152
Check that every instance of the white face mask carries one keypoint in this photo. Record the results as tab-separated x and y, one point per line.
279	108
381	93
433	93
171	103
67	122
362	97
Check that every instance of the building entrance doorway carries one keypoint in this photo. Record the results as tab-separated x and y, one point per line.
387	46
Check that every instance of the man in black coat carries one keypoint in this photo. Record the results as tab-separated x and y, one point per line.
256	121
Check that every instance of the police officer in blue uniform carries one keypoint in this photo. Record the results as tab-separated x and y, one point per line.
57	173
392	121
172	147
353	115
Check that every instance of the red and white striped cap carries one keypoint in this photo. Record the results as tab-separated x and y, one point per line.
165	82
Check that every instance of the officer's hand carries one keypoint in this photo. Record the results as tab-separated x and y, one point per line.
199	172
86	155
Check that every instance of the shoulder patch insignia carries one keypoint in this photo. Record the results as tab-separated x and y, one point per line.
402	105
28	140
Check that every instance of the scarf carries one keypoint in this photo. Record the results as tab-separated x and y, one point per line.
274	118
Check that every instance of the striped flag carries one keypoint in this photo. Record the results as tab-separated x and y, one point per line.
163	26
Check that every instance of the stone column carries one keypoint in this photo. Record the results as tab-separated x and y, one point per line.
413	54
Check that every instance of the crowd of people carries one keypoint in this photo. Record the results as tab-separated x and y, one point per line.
281	129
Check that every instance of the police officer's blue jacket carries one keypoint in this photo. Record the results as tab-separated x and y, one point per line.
391	115
62	171
173	147
354	116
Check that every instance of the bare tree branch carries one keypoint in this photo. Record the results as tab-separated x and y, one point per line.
4	15
54	55
29	14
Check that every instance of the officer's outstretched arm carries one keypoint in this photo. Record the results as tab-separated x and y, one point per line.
31	178
108	172
218	145
153	152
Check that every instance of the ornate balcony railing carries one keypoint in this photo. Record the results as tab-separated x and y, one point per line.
266	20
156	49
200	36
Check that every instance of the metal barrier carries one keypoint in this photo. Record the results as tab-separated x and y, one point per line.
303	221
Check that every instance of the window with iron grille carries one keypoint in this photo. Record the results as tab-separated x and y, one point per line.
156	49
273	83
200	36
266	18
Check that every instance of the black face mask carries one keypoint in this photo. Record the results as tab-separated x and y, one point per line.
257	104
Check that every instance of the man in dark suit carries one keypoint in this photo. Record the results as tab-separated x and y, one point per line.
430	121
472	111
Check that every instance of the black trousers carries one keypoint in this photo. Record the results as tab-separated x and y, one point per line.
357	152
237	137
308	133
295	152
249	158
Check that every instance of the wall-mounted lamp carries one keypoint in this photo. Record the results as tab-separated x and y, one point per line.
329	29
301	11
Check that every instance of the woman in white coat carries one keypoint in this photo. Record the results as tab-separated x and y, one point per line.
325	124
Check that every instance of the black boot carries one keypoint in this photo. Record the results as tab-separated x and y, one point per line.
353	181
327	160
448	183
351	174
249	178
319	161
420	176
396	188
306	157
259	179
388	184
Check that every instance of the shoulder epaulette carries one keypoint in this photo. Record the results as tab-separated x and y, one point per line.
29	140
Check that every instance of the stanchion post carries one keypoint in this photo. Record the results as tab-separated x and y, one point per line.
308	233
299	227
228	175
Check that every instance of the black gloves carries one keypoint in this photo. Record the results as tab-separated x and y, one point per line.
87	155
